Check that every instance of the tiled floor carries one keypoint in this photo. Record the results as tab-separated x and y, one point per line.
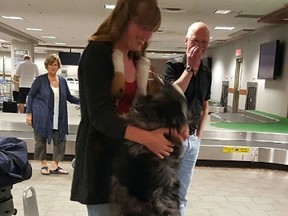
214	192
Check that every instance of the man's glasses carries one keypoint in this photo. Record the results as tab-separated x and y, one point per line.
199	42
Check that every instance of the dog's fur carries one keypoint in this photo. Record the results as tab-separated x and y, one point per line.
142	183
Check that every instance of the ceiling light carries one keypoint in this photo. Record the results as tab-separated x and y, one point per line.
48	37
223	28
172	10
3	41
40	51
34	29
60	43
109	6
285	19
223	12
13	17
241	32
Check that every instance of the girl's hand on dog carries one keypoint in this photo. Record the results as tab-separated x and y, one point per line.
155	140
163	147
158	144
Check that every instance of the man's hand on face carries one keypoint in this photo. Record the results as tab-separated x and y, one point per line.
194	55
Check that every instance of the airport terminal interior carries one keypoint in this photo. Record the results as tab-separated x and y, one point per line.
239	172
242	168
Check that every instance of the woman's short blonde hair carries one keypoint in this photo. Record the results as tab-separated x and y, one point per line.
51	59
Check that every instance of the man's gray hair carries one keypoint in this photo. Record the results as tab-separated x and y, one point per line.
195	26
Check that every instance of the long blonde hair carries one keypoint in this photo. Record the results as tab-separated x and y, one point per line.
145	13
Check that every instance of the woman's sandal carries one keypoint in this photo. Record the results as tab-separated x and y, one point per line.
58	170
45	170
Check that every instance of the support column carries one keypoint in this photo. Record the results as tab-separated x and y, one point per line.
18	50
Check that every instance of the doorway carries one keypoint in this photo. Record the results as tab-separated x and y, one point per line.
251	96
237	85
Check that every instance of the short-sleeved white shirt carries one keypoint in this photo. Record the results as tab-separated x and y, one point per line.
27	71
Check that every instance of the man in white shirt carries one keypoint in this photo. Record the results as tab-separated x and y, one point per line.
27	71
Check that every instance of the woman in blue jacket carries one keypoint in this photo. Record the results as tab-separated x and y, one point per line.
47	113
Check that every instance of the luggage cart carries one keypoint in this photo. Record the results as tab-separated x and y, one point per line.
5	91
30	202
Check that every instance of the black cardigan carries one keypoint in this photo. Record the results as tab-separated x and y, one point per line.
100	130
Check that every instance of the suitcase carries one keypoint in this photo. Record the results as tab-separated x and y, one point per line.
6	202
10	107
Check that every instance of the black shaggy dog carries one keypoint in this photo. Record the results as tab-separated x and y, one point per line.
143	184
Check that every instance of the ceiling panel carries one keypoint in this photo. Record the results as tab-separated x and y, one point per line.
73	21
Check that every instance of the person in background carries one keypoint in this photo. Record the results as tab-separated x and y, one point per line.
15	92
27	71
194	78
47	113
112	72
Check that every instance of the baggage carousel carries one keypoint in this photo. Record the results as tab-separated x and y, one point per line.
217	144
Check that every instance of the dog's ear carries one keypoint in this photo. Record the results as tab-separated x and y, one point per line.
154	84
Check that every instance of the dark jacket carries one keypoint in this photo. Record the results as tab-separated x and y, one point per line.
14	164
100	130
198	90
41	105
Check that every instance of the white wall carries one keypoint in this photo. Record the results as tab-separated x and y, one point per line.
39	60
7	57
271	94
